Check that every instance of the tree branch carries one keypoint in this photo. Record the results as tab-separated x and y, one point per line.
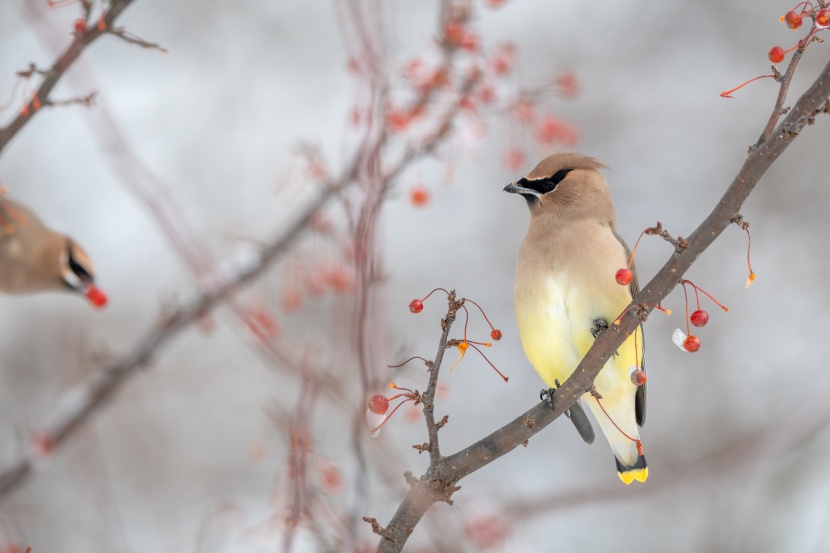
455	467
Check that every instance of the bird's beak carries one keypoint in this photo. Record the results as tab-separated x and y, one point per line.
513	189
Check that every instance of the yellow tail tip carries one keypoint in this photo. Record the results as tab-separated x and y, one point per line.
630	476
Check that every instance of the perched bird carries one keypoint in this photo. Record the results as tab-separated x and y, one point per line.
35	258
566	294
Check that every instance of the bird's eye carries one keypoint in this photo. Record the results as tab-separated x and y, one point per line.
548	186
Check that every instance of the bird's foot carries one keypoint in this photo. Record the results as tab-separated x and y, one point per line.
600	326
546	395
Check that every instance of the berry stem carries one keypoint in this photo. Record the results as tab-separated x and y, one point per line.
634	251
696	287
727	94
389	416
490	363
636	441
407	361
686	296
482	312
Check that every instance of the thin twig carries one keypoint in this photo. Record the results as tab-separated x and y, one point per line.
58	70
777	110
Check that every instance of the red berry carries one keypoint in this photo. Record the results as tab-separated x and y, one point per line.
419	196
80	26
96	297
691	343
416	306
823	18
638	377
496	334
700	317
624	277
378	404
793	20
776	54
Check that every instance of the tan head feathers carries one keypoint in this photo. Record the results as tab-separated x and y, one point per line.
557	162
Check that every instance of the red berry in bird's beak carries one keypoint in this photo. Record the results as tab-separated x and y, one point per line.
691	344
624	277
700	317
378	404
416	306
96	297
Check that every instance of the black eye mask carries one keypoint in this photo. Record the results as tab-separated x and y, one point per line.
548	184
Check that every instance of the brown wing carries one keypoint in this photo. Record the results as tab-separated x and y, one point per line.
634	288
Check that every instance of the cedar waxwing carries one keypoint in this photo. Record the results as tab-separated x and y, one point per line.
34	258
566	293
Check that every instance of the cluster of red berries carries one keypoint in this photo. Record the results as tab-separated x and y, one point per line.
794	20
417	305
698	318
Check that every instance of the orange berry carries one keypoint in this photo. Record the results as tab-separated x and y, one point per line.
823	18
776	54
378	404
638	377
496	334
793	20
419	195
691	343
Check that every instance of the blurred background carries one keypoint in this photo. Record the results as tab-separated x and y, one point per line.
229	134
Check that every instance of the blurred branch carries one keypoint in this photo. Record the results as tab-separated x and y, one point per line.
80	402
439	481
58	69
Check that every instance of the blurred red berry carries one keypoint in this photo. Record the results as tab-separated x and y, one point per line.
378	404
524	111
470	42
514	159
496	334
793	20
332	478
419	195
691	343
495	3
80	25
700	317
776	54
624	277
454	33
487	531
416	306
397	120
823	18
292	299
567	84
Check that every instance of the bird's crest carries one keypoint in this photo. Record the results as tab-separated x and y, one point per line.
557	162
